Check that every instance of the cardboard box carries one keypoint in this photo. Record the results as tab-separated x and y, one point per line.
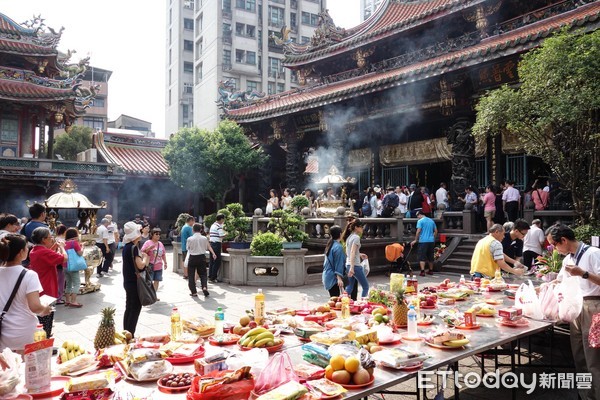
470	319
510	313
203	367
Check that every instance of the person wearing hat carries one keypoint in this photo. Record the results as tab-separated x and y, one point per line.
533	243
102	243
425	237
133	259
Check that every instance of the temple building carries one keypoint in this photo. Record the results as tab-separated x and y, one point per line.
392	100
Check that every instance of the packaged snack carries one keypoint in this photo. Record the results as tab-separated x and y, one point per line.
222	385
288	391
161	338
398	357
198	326
205	367
10	377
38	358
88	382
150	370
335	335
327	388
110	355
308	371
141	355
510	313
76	364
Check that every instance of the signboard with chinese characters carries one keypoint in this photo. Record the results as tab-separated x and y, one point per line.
493	75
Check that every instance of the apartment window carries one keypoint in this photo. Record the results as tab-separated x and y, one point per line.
278	1
276	16
96	123
235	83
188	45
250	30
9	136
271	88
226	29
239	56
199	73
293	20
240	29
170	56
170	16
252	85
188	4
227	57
170	36
199	24
274	67
170	76
169	96
99	102
188	66
251	57
188	24
280	87
245	30
198	48
188	88
260	39
310	19
227	5
248	5
185	111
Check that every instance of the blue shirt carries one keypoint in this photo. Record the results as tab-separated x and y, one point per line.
427	227
334	264
186	232
30	227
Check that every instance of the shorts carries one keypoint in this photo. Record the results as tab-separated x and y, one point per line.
157	275
425	251
489	214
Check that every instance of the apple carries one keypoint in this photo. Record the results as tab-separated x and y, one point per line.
430	303
252	324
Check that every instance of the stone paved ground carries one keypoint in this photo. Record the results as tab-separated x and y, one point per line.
80	324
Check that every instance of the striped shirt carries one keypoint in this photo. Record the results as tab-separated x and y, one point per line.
216	232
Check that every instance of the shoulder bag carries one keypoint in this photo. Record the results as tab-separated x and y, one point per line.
145	288
11	298
75	262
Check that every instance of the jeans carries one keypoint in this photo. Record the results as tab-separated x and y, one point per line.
215	263
477	275
359	274
133	307
196	263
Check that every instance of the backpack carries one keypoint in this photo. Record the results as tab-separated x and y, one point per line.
393	200
366	208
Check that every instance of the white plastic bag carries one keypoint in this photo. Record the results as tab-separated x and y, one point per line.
187	259
11	382
570	299
548	302
366	266
527	300
256	359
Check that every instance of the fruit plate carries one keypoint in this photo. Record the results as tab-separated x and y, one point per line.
494	302
271	349
412	366
232	338
513	324
425	323
473	327
169	389
485	315
443	346
186	359
23	397
412	339
395	340
57	387
352	387
302	313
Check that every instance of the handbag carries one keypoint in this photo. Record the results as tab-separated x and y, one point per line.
11	298
75	262
145	288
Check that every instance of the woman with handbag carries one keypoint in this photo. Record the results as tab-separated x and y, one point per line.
156	253
19	295
72	278
134	262
334	266
45	255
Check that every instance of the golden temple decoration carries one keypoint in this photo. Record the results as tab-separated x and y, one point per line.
480	14
360	56
277	126
68	186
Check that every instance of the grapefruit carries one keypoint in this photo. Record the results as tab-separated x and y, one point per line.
337	362
245	320
352	364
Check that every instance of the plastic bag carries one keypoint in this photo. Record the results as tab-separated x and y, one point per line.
256	359
594	335
366	266
548	302
570	299
9	374
278	371
239	389
527	300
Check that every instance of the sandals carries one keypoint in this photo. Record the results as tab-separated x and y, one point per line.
75	305
67	304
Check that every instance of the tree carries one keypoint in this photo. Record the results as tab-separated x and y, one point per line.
78	139
554	113
211	163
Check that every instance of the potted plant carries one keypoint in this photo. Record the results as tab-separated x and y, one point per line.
266	244
299	202
236	225
179	223
290	226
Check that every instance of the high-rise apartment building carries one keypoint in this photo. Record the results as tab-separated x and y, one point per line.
209	41
368	7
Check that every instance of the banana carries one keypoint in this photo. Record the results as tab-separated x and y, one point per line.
456	343
256	331
263	342
120	336
71	355
251	342
264	335
118	341
64	357
246	341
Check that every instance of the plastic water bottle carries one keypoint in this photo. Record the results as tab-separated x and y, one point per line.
259	307
175	324
39	334
219	320
462	280
305	302
345	306
412	322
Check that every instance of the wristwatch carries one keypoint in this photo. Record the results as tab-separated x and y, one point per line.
585	275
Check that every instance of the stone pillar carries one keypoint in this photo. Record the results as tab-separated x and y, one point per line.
463	156
50	152
375	167
292	160
294	270
238	266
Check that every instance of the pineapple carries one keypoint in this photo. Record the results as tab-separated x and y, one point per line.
400	309
105	335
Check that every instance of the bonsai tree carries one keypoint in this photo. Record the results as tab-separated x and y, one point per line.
266	244
288	225
236	223
181	220
299	202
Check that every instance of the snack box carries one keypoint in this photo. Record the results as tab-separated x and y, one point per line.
446	301
97	394
321	318
204	367
510	313
470	318
306	332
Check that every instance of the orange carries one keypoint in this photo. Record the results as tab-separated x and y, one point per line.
352	364
337	362
328	372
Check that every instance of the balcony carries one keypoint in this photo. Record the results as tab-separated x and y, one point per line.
227	38
226	67
226	13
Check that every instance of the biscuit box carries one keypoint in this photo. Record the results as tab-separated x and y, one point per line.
204	367
510	313
470	319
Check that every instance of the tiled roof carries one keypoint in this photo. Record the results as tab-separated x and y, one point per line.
136	156
9	26
16	47
519	40
28	92
392	17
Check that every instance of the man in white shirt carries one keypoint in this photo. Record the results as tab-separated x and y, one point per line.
197	245
102	243
403	199
532	243
216	235
441	195
113	236
511	200
583	261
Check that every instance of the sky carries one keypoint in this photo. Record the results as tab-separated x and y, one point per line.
127	37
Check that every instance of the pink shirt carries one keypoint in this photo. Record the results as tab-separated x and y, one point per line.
540	199
489	201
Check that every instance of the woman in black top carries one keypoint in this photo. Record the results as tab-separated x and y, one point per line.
132	258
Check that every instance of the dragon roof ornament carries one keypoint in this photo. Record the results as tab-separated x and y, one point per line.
229	98
33	31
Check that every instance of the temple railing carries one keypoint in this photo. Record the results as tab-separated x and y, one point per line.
40	165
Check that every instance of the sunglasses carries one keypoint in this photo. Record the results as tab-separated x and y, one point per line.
156	233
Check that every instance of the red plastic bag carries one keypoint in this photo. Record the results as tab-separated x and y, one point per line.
232	391
278	371
594	335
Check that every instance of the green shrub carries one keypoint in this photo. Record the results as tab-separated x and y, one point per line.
266	244
288	224
236	223
210	219
181	220
585	232
299	202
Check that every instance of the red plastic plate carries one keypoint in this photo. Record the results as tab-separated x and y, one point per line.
351	387
188	359
271	349
476	326
397	339
57	387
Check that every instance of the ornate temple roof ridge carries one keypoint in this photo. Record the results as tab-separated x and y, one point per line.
33	31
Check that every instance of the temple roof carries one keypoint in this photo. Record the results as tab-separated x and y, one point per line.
391	17
516	41
35	38
137	156
29	92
